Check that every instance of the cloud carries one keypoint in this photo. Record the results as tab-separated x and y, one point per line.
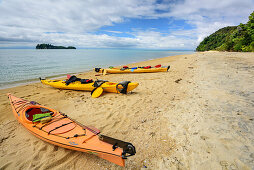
208	16
76	22
117	32
69	16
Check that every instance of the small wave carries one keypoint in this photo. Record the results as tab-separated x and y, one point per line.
6	85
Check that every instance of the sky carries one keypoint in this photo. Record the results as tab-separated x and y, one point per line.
144	24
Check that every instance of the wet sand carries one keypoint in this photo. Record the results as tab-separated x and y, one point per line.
199	115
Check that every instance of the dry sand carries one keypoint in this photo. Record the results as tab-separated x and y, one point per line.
199	115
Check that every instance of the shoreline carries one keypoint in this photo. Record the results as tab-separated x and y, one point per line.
198	115
33	80
62	76
89	74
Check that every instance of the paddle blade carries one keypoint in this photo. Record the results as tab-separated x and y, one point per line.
68	76
97	92
104	72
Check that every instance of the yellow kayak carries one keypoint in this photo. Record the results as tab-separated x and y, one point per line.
132	70
123	87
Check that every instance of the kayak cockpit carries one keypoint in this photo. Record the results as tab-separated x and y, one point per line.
34	113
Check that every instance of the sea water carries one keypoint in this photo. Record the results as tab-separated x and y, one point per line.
19	66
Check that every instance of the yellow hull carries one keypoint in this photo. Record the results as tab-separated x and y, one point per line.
138	70
107	86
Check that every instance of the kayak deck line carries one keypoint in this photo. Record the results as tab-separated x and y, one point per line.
76	135
71	146
46	124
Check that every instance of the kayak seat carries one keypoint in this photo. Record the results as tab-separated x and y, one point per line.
74	79
32	111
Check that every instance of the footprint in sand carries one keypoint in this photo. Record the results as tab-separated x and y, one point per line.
5	166
226	165
204	137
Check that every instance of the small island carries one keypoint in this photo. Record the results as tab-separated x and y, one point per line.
50	46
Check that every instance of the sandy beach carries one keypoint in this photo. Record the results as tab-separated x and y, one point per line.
198	115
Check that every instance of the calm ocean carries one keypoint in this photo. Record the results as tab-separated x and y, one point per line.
19	66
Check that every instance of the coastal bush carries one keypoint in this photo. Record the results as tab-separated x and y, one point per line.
232	38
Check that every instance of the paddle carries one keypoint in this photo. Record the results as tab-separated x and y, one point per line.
104	72
97	92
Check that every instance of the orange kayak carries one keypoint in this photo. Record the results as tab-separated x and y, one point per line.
63	131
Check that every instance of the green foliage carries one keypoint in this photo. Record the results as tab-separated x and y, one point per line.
237	47
236	38
49	46
252	45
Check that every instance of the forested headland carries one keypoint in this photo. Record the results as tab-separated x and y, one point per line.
232	38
